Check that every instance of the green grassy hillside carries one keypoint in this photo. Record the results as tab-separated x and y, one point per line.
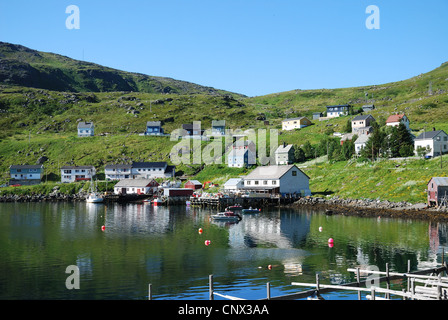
43	96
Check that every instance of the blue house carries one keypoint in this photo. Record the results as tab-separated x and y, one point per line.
86	129
219	127
26	174
154	128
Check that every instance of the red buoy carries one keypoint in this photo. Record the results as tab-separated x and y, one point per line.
103	228
207	242
200	231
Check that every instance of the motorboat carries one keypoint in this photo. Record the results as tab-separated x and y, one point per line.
226	216
251	211
234	208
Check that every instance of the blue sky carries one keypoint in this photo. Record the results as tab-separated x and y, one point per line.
246	46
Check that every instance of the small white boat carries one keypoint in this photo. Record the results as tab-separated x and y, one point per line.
226	216
94	197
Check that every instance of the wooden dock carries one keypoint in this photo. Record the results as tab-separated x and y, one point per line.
433	286
254	202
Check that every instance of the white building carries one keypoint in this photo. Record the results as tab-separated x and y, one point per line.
360	143
283	179
395	120
135	186
77	173
437	141
139	170
234	184
86	129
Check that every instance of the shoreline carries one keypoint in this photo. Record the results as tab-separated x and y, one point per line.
373	208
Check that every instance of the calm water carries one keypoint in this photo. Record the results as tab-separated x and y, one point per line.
162	246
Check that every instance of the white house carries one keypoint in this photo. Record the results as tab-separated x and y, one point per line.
234	184
283	179
337	111
360	143
243	154
86	129
77	173
295	123
362	124
395	120
135	186
26	173
437	141
117	171
151	170
284	154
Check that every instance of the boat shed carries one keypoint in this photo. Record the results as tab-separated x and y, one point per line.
136	186
438	191
193	184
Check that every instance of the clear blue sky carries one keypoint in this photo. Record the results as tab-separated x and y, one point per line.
253	47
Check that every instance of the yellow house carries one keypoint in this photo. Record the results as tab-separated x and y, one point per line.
295	123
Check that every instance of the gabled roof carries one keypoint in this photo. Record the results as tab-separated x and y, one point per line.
148	164
395	118
291	119
271	172
233	182
153	124
362	139
362	117
284	149
429	135
195	182
26	166
338	106
85	125
218	123
118	166
134	183
440	181
77	167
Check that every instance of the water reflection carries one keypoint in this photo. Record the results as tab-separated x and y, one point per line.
143	244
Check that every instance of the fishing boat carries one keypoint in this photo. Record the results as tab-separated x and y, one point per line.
94	196
226	216
251	211
234	208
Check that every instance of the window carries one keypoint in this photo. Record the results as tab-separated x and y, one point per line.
274	182
256	182
294	173
265	182
248	183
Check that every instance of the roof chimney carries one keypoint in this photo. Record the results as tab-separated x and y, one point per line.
433	129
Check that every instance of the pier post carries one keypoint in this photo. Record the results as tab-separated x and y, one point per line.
268	288
387	281
149	292
210	287
358	279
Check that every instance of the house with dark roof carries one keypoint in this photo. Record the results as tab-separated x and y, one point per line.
86	129
368	107
154	128
77	173
362	124
219	127
436	141
338	110
26	174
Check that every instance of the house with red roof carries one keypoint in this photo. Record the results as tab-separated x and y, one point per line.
395	120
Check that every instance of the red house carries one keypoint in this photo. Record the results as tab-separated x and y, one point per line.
193	184
438	191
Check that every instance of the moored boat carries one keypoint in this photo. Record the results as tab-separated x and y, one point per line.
226	216
234	208
250	210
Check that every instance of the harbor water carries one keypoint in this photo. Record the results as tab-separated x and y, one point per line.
162	246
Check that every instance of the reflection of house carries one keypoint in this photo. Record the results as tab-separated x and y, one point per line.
284	179
437	191
77	173
136	186
26	174
437	141
295	123
85	129
284	154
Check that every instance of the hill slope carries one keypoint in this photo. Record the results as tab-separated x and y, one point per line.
25	67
